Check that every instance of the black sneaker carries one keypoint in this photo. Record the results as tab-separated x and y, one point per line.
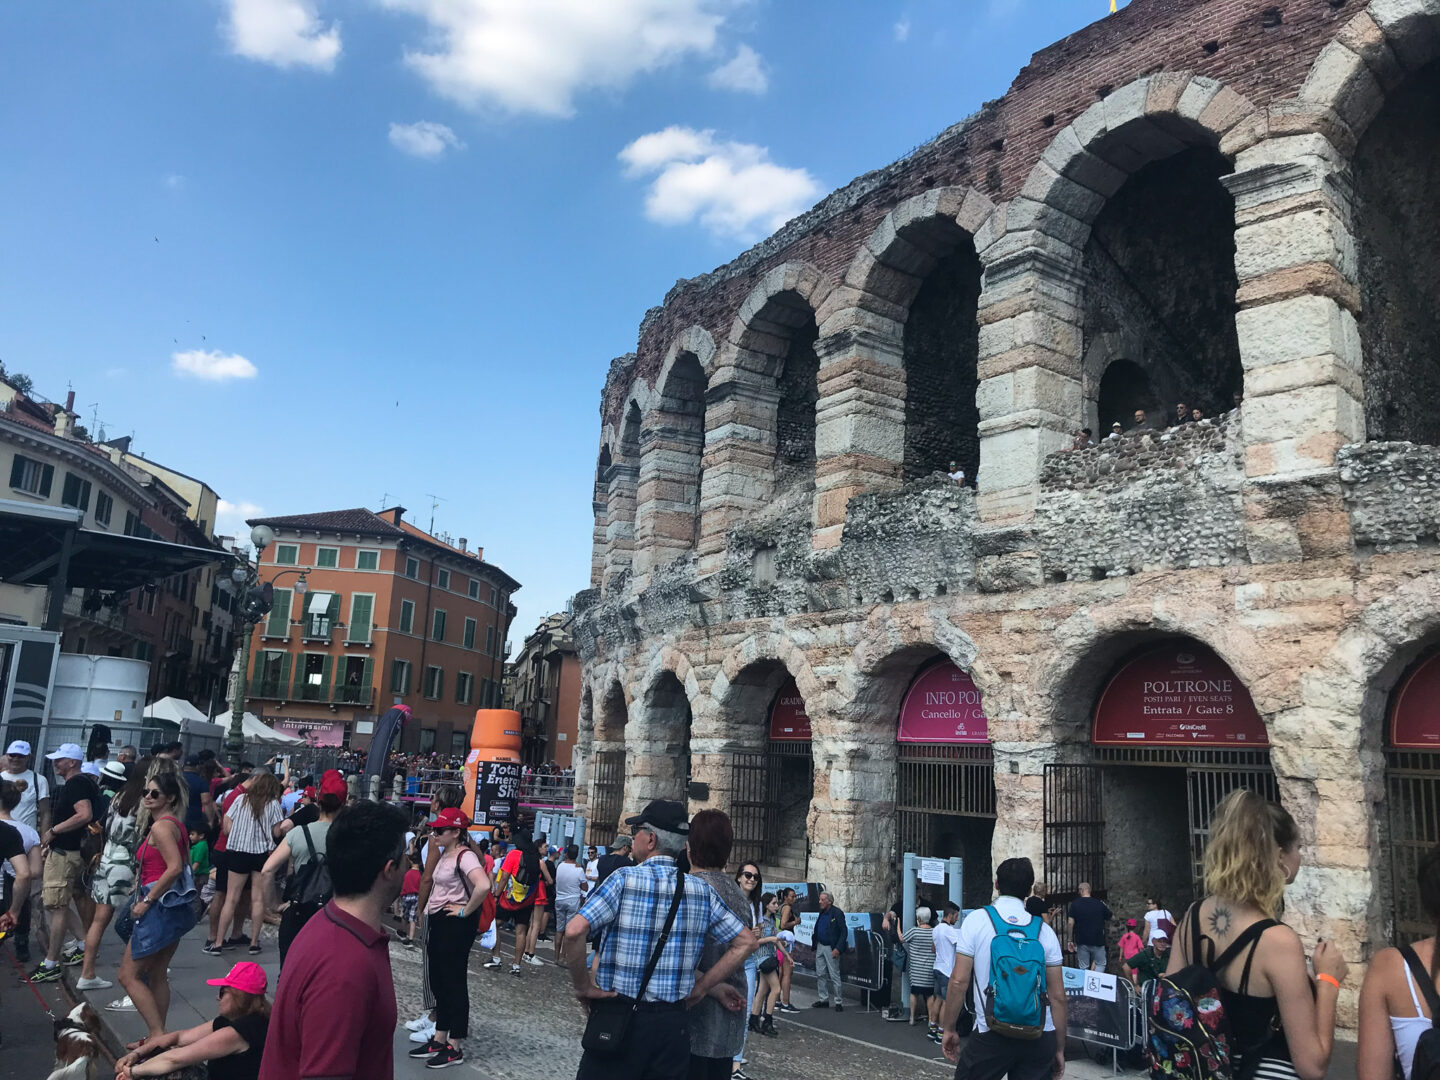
211	949
785	1006
73	957
819	1004
45	974
448	1055
428	1049
839	1007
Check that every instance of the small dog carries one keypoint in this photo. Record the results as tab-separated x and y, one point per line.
77	1044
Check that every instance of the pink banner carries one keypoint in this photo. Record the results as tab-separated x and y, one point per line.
788	720
1415	712
943	706
315	733
1177	693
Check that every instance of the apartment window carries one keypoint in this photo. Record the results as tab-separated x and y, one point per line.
407	616
362	610
76	493
484	693
287	554
104	507
400	677
434	682
489	641
278	622
412	568
469	633
464	688
31	476
437	626
493	597
474	589
322	611
442	579
327	558
367	560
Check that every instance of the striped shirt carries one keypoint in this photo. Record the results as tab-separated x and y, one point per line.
249	836
920	952
630	907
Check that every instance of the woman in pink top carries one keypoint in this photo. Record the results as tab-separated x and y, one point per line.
458	888
163	858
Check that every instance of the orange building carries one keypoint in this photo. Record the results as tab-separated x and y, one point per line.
390	615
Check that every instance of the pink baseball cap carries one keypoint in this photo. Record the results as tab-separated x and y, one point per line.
246	977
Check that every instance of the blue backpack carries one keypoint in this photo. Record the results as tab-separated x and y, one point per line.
1015	1000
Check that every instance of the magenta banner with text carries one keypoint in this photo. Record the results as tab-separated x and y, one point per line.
943	706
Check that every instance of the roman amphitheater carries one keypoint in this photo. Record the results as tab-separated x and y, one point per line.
798	617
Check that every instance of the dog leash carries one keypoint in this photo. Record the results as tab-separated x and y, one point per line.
20	968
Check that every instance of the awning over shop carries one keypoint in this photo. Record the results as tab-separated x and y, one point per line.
39	544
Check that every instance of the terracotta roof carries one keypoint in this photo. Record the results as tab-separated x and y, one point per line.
358	520
24	420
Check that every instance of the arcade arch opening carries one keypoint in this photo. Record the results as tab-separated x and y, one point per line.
945	778
1172	733
607	767
1412	790
773	779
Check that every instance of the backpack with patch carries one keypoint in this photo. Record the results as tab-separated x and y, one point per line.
1015	999
1426	1065
310	884
1189	1036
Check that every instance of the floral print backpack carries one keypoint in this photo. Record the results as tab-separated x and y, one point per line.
1189	1036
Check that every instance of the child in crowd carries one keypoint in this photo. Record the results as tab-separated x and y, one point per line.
200	867
409	900
1130	942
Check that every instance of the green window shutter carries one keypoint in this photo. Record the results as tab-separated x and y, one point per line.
17	471
325	678
284	668
396	667
297	689
407	616
277	624
360	612
367	560
259	673
332	614
366	676
437	625
469	633
47	477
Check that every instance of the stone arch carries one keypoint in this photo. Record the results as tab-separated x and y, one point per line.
879	669
599	507
621	493
671	460
760	647
765	319
661	744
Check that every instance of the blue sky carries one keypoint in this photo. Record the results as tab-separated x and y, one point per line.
320	252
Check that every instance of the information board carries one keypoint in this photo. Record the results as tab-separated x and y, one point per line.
788	719
943	706
1415	709
1179	693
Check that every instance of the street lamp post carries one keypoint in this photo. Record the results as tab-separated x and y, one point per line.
254	606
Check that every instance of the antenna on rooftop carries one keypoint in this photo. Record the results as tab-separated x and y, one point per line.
384	500
435	501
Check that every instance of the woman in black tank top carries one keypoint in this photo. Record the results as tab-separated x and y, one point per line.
1282	1023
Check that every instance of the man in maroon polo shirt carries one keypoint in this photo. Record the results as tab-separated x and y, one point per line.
334	1012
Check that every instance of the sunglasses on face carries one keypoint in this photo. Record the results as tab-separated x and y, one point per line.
746	873
153	793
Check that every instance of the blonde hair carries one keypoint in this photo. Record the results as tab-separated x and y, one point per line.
1242	862
156	768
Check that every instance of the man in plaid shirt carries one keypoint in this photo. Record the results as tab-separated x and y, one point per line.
629	908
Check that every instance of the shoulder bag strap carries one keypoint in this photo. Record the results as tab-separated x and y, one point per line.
464	881
1425	982
664	935
1249	936
1197	954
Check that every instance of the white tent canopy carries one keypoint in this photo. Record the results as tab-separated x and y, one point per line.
174	710
192	721
256	731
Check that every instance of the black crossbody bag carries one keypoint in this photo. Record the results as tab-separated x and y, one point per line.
609	1023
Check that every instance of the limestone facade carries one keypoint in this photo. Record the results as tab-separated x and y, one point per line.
766	506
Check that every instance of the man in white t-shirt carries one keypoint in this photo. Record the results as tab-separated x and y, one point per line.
570	888
34	808
988	1053
947	943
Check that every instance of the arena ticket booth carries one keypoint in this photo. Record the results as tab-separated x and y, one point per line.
1412	790
945	778
772	789
1123	820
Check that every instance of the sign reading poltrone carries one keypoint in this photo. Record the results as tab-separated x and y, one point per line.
788	720
943	706
1415	711
1179	693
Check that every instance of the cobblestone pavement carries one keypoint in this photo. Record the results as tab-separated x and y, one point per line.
530	1027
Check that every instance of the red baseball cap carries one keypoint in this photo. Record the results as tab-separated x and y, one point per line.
451	817
308	793
332	783
246	977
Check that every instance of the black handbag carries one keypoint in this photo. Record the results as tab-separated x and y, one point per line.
610	1018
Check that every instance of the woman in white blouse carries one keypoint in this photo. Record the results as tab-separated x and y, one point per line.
249	828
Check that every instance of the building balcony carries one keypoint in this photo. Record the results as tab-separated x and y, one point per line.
316	693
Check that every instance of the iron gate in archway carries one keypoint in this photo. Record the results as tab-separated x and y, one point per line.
1412	799
607	795
756	798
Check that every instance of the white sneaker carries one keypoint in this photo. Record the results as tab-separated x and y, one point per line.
122	1005
493	962
423	1035
533	960
421	1021
96	983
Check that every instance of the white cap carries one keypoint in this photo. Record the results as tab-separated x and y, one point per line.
91	768
20	748
1159	935
67	750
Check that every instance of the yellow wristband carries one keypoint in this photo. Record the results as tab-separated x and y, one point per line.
1331	979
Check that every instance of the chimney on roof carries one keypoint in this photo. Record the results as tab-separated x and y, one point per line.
70	402
463	542
392	514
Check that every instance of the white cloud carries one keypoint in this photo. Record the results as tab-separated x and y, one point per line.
535	56
211	365
230	517
424	139
744	74
902	30
732	188
285	33
173	181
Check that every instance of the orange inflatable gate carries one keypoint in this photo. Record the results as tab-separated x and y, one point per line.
492	769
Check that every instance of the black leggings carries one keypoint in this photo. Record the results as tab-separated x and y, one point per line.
448	949
291	920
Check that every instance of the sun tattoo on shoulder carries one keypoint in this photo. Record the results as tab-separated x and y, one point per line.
1220	919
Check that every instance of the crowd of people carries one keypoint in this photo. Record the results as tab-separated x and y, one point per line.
676	959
